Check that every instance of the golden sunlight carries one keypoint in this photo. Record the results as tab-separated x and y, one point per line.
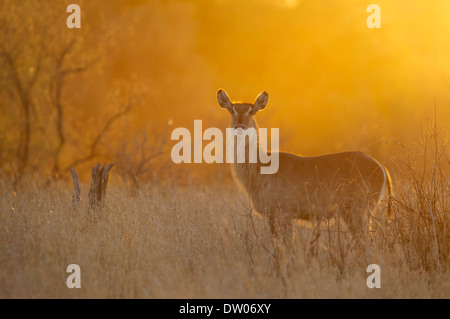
140	95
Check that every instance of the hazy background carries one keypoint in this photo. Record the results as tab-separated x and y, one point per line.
114	89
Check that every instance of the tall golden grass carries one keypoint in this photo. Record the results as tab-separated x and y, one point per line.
194	240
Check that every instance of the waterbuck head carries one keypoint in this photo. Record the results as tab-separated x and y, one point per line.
242	113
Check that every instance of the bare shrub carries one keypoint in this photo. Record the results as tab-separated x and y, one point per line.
421	225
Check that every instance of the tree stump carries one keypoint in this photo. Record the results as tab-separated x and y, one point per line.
97	190
99	181
76	197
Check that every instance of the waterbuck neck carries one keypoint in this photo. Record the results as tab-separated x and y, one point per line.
247	173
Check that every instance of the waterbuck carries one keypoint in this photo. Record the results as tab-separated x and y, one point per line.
349	184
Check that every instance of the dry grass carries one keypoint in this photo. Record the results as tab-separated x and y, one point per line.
175	243
202	241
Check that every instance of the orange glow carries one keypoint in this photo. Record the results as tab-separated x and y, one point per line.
333	83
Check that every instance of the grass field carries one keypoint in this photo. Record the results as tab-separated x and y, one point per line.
180	237
203	242
115	89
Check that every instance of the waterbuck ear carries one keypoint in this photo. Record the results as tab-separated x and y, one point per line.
261	102
224	100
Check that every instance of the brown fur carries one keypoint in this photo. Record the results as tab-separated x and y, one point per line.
308	187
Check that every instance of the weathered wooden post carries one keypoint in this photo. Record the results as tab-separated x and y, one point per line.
76	197
97	190
99	181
